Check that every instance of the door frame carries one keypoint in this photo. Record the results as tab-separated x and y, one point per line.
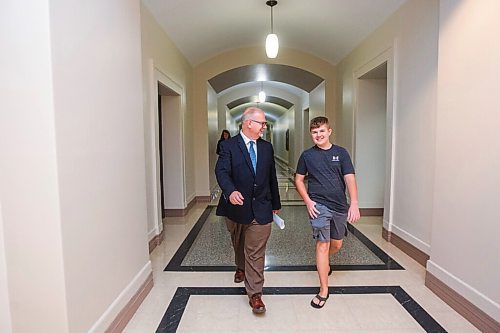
178	114
385	56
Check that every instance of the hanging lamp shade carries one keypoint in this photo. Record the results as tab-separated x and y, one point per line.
272	46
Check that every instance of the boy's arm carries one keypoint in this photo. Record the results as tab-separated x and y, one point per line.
301	188
353	213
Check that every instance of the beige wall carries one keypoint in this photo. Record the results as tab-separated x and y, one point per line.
99	135
411	36
29	193
72	181
317	102
237	58
160	54
465	229
5	314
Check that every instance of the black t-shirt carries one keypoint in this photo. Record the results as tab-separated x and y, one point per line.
326	170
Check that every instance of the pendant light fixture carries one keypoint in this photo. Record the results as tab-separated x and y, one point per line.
262	93
272	44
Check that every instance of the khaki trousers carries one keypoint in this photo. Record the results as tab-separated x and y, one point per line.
249	243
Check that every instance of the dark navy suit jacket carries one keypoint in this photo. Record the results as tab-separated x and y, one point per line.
234	172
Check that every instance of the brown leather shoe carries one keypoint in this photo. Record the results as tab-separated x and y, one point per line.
257	305
239	276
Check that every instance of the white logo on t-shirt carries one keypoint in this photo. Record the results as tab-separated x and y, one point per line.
335	159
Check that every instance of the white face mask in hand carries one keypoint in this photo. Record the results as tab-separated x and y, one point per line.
279	221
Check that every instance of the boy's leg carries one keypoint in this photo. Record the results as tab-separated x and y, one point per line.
335	245
338	230
323	266
321	233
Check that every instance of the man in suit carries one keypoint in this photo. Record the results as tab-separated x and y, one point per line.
246	174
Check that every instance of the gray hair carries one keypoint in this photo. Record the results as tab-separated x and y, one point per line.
249	113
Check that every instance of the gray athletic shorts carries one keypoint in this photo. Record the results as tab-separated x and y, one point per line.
329	224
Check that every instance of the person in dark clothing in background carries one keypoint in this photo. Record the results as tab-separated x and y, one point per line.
223	136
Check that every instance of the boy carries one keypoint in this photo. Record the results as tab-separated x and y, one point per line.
329	169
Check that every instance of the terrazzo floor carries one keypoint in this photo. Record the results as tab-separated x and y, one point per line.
199	295
207	247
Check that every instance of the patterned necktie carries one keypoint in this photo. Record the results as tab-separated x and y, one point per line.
253	156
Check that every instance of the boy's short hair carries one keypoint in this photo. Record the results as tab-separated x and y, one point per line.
317	122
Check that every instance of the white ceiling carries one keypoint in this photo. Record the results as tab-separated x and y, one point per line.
329	29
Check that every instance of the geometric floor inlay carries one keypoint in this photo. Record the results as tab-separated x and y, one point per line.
207	247
418	319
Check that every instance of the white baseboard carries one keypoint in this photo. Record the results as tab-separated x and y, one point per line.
480	300
122	300
419	244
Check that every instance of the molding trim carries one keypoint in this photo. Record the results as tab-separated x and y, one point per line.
180	212
175	212
183	211
157	240
203	198
412	251
469	311
121	321
416	242
121	310
371	211
482	301
386	234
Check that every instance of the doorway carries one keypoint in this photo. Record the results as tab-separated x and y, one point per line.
370	142
373	135
172	183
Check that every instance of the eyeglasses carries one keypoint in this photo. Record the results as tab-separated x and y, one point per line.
261	123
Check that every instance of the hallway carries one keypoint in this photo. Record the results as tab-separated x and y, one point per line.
110	114
215	304
374	287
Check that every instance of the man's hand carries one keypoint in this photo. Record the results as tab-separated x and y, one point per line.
311	209
236	198
276	212
353	214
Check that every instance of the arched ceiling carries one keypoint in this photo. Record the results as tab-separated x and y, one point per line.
328	29
253	99
280	98
273	111
266	72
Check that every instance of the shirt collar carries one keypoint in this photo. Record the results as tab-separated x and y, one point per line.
246	139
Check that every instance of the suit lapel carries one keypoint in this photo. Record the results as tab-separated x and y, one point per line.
244	150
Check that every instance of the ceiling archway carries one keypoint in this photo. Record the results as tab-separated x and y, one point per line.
252	99
294	76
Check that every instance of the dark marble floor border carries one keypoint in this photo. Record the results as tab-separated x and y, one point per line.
175	263
175	310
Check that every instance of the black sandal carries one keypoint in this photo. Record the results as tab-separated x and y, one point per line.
320	299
